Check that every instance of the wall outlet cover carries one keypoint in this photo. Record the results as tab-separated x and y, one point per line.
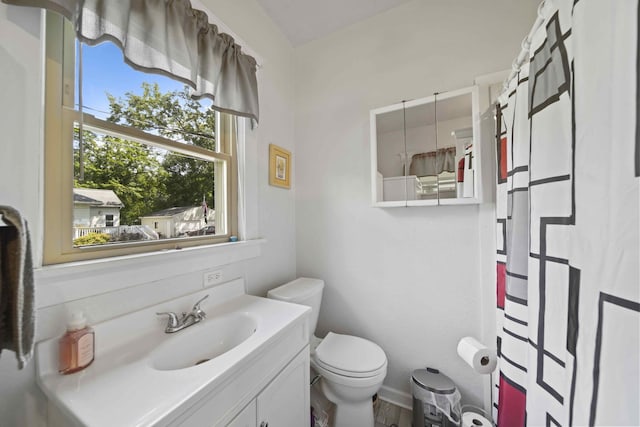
211	278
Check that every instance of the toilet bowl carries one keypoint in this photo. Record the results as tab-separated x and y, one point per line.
351	369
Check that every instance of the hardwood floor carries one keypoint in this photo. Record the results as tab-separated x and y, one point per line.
385	414
390	415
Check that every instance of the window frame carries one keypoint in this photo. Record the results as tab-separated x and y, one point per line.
58	159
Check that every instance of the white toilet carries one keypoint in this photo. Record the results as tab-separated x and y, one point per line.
352	369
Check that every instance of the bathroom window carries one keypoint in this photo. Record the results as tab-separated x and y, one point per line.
135	145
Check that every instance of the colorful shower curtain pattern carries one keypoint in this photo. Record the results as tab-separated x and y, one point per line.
568	285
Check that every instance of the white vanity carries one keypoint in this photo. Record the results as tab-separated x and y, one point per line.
245	365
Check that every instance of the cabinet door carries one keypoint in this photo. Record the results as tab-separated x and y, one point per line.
285	401
425	152
246	418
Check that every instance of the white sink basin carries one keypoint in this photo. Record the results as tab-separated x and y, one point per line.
202	342
144	377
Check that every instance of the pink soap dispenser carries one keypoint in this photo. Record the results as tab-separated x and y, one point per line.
77	345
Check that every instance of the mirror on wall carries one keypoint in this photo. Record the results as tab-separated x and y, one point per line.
423	151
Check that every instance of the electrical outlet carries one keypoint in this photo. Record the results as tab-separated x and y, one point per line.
212	278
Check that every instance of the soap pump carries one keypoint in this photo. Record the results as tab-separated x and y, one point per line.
76	345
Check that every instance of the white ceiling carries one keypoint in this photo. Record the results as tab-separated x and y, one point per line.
304	20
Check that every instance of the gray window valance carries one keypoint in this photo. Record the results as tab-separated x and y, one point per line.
168	37
433	163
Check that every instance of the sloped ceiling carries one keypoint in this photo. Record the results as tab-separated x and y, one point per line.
305	20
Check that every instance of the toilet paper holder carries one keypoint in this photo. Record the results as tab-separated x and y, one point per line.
479	357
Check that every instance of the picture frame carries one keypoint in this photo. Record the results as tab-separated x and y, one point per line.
279	167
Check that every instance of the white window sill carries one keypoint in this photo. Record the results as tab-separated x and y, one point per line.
58	284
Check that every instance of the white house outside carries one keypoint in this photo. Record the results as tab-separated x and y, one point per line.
96	208
178	221
98	211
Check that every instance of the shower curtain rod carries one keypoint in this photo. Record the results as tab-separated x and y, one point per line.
523	57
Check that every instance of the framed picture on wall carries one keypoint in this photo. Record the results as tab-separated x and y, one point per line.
279	166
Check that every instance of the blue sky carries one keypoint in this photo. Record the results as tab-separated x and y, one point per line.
104	71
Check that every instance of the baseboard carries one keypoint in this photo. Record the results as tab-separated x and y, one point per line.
397	397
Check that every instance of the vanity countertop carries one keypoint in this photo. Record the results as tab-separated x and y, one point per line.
122	387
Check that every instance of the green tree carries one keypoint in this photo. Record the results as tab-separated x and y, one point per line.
174	115
146	178
130	169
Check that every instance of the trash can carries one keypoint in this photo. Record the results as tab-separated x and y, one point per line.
436	400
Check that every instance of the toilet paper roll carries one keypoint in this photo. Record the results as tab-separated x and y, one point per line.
482	359
473	419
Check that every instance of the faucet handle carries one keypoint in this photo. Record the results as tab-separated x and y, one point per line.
173	318
196	307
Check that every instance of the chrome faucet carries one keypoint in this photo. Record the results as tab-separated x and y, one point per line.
176	323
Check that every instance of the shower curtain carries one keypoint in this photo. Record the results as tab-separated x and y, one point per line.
568	285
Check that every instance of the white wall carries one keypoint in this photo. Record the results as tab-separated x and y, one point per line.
21	119
81	215
98	216
21	402
407	278
275	84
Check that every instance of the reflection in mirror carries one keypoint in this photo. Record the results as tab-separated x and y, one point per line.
402	135
421	145
452	164
422	150
393	182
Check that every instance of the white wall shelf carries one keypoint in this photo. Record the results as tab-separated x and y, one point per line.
431	202
460	201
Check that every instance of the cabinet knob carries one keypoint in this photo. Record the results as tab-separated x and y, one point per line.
264	424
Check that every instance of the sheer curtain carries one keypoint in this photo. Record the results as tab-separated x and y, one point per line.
168	37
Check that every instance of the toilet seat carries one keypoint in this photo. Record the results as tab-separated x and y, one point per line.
350	356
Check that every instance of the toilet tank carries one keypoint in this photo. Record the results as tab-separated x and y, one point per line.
305	291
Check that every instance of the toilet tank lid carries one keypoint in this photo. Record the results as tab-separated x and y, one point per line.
302	287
